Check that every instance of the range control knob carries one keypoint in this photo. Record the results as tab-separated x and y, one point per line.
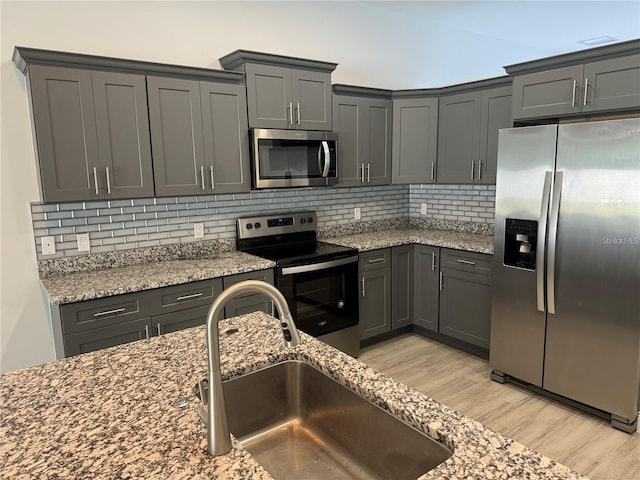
310	220
303	220
249	226
257	225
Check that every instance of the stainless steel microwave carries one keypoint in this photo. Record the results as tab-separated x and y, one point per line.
293	158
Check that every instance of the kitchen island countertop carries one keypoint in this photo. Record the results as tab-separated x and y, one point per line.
110	414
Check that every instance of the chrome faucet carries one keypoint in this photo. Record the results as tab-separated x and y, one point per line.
215	419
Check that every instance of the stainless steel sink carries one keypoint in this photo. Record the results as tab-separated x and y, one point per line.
299	423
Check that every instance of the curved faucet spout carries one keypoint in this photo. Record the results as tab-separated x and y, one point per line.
218	438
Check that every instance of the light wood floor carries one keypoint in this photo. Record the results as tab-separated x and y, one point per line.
461	381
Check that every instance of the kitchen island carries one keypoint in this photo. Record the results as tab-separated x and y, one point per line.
111	414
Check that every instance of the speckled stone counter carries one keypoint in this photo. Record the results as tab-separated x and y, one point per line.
473	242
92	284
110	414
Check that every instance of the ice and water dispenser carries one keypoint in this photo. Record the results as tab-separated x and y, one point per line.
520	243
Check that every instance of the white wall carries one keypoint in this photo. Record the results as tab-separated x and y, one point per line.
374	47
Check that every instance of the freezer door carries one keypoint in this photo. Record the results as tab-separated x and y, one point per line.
526	158
593	339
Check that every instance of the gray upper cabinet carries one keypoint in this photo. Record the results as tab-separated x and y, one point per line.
468	134
284	92
91	133
415	135
364	126
199	136
605	79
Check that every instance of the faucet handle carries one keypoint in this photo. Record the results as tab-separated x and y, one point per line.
289	331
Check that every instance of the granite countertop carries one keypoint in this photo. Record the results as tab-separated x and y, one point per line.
110	414
92	284
472	242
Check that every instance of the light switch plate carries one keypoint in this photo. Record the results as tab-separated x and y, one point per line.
356	213
48	245
83	242
198	230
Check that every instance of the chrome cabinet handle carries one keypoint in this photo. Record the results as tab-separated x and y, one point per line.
473	169
95	180
211	175
159	329
108	180
586	89
291	113
188	297
368	173
375	260
362	172
362	280
146	332
109	312
542	233
479	169
466	262
433	260
298	112
202	176
441	281
573	93
553	232
433	171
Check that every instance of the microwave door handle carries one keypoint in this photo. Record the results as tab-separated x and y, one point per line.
324	148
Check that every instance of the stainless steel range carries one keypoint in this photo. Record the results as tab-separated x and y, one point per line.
319	280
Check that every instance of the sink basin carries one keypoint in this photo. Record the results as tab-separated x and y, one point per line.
299	423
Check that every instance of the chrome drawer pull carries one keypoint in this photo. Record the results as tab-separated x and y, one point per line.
109	312
376	260
188	297
159	329
466	262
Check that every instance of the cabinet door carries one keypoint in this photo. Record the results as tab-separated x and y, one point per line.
269	96
311	96
458	138
612	84
243	305
426	286
465	306
415	133
99	338
377	139
226	137
124	144
65	133
176	136
347	122
547	94
375	302
496	114
172	322
402	265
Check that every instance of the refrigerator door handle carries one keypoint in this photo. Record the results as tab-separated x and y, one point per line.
553	233
542	237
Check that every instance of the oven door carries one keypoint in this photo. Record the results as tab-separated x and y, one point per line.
323	296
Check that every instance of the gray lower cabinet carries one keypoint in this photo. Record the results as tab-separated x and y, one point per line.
199	136
172	322
426	290
251	302
599	86
402	286
374	271
104	337
288	98
364	127
468	127
91	132
465	297
415	136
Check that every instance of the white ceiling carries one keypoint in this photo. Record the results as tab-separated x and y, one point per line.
549	25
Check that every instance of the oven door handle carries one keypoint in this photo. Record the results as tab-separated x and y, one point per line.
314	267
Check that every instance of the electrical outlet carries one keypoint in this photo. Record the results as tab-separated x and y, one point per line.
423	209
356	213
198	230
48	245
83	242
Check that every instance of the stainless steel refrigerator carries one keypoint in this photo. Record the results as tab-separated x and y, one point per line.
566	284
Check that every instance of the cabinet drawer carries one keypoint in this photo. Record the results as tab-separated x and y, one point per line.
374	259
467	261
81	316
172	322
187	295
107	336
264	275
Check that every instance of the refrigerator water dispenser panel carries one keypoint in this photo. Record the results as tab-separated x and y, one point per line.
520	243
